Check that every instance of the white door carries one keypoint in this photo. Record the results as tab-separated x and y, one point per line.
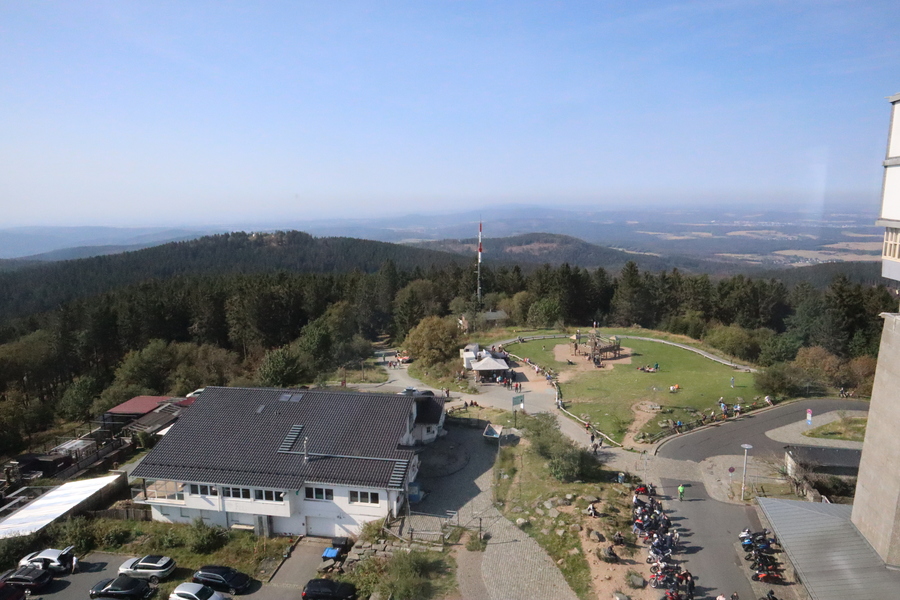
320	527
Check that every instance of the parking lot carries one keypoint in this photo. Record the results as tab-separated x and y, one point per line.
287	583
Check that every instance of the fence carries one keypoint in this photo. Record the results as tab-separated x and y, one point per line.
123	514
87	461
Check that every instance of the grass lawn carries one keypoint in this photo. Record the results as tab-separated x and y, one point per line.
852	429
605	397
372	372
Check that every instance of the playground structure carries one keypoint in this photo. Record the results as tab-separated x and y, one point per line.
598	348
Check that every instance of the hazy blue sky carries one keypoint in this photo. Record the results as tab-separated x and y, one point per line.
150	113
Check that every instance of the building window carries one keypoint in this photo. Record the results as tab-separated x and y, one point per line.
239	493
892	243
269	495
185	513
204	490
314	493
363	497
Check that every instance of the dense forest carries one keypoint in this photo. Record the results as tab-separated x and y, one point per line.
46	286
172	331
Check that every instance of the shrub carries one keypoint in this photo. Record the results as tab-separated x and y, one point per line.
78	532
170	539
205	538
565	465
371	531
407	575
475	543
14	548
115	537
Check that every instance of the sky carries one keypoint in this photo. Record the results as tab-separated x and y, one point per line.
202	113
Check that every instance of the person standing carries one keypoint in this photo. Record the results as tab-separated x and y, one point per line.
732	382
689	587
734	596
681	492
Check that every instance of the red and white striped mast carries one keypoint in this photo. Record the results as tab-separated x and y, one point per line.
479	264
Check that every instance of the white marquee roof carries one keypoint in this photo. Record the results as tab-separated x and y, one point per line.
51	506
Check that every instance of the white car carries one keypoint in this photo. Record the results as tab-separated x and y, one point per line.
57	561
195	591
152	567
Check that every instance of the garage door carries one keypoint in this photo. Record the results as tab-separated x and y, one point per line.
319	527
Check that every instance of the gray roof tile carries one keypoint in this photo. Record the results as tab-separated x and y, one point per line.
226	438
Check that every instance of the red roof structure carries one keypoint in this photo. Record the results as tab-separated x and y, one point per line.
139	405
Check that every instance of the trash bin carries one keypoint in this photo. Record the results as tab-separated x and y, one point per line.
621	477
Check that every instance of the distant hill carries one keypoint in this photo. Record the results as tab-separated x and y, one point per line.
46	286
25	242
556	249
821	276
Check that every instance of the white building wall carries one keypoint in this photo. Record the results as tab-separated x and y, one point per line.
894	140
890	204
289	516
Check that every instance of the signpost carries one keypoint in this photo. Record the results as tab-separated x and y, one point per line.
518	404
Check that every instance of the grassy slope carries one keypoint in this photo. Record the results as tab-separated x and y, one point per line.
606	397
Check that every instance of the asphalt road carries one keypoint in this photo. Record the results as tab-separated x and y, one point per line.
726	438
710	549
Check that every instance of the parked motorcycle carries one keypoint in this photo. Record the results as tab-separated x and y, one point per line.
663	566
664	579
747	534
658	555
768	577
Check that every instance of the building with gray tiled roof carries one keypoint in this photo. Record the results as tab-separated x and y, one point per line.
283	461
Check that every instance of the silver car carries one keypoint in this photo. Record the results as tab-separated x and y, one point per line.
196	591
152	567
56	561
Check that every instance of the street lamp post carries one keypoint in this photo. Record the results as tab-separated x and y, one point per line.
747	448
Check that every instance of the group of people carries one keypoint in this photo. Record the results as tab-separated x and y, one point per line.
649	368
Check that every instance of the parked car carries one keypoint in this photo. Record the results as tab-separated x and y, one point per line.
11	592
195	591
224	579
326	589
124	587
56	561
152	567
29	578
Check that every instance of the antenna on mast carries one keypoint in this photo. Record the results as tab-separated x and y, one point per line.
479	263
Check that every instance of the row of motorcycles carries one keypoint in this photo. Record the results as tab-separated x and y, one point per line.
652	525
759	549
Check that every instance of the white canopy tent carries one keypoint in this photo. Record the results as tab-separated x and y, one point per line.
51	506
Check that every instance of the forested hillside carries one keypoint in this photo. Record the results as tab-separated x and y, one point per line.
287	309
42	287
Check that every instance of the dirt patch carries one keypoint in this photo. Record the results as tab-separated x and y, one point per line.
643	412
607	578
582	363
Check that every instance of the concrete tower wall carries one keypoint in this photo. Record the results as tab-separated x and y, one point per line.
876	507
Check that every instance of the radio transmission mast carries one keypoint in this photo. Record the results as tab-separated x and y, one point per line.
479	264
